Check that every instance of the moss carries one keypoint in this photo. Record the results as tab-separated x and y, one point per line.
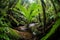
9	33
52	31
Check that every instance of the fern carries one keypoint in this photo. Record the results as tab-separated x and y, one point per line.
30	12
8	33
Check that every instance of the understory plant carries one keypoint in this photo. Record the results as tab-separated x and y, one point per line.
28	13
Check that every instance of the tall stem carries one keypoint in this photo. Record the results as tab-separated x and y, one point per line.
54	8
44	16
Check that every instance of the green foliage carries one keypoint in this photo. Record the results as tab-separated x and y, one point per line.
4	37
28	13
58	14
4	22
53	29
9	33
3	3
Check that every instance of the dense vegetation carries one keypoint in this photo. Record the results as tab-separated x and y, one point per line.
29	19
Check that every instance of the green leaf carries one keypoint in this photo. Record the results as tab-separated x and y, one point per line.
52	31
